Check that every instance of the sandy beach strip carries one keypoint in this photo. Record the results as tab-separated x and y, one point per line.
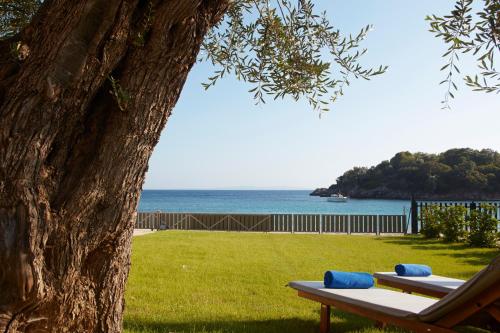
140	232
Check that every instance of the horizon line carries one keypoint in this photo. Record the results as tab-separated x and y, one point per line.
236	188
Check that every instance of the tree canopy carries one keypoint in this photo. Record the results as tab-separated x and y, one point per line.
282	47
287	48
467	31
456	173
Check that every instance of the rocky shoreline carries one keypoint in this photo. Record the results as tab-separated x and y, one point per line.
385	193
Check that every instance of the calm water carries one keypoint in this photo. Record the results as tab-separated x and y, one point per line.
208	201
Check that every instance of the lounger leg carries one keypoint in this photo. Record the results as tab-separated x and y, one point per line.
324	324
494	312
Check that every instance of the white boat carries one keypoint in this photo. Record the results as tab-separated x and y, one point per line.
337	198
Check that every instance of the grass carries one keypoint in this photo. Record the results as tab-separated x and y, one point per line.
235	282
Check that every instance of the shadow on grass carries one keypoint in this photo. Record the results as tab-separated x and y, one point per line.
222	326
460	251
341	322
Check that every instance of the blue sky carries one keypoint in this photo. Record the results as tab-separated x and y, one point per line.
218	139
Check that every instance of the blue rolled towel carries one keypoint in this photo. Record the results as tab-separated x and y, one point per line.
348	280
412	270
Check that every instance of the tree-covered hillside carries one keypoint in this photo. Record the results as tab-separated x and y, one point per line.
455	174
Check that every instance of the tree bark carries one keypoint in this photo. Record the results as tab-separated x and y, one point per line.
74	150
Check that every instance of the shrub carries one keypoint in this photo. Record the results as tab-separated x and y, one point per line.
453	223
431	226
482	228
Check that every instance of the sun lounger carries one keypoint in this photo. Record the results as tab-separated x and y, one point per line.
474	302
432	285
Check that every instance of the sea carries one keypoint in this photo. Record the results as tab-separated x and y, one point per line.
261	201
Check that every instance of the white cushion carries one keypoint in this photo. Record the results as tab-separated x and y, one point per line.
431	282
387	301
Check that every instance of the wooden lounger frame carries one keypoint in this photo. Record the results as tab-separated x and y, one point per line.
484	301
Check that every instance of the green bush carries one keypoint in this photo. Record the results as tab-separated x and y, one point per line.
431	225
482	228
448	222
453	223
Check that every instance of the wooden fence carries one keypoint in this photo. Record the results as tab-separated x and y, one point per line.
314	223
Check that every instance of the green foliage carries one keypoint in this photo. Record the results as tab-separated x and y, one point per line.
145	25
121	96
444	221
456	172
482	227
15	14
478	228
453	223
431	222
279	47
15	49
286	48
478	34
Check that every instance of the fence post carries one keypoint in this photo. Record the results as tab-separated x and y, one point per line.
293	224
321	223
349	224
378	224
414	216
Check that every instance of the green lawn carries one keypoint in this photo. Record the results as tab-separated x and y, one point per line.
235	282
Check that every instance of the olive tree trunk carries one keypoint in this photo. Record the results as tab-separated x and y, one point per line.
85	91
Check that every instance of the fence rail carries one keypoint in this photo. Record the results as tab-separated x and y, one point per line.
314	223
